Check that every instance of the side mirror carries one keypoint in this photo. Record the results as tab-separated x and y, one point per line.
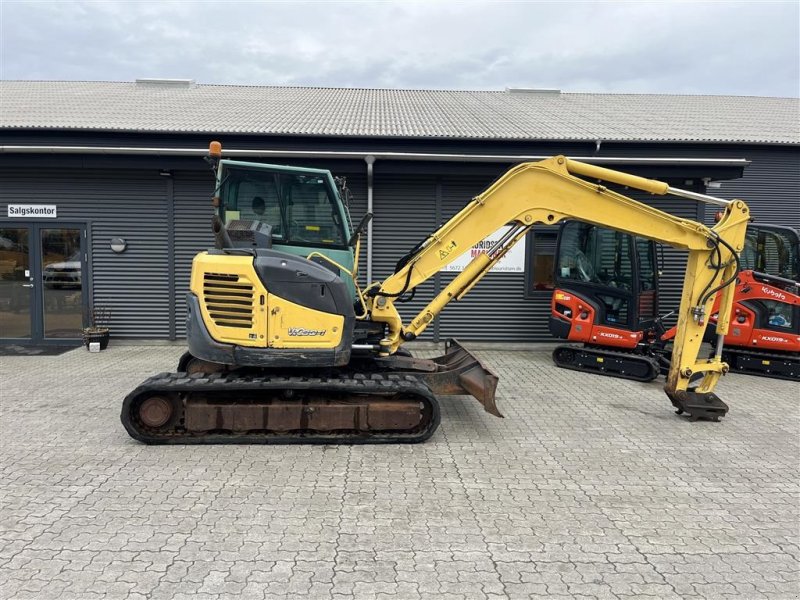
362	225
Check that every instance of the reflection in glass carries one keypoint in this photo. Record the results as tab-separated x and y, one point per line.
15	297
61	274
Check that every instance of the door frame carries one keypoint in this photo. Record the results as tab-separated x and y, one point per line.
35	259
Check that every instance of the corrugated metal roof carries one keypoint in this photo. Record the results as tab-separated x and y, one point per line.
501	115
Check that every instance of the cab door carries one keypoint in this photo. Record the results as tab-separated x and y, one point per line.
596	264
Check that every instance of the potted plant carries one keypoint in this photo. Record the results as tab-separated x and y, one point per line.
98	331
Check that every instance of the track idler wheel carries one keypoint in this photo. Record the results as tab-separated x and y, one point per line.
564	356
155	412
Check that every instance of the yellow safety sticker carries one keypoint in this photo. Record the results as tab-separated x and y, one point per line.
599	359
312	227
765	362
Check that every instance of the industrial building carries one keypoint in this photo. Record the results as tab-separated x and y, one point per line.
105	198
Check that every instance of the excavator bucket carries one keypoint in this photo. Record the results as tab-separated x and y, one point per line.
458	372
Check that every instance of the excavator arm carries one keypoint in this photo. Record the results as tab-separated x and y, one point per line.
550	191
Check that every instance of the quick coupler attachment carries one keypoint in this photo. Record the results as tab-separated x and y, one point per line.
698	405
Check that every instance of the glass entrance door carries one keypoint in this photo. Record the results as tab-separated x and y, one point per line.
61	263
16	283
42	282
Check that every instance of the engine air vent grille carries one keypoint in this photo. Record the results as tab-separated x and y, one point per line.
228	299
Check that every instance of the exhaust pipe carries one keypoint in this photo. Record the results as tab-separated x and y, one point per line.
221	238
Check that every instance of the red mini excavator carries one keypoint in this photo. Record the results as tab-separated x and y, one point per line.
606	297
764	338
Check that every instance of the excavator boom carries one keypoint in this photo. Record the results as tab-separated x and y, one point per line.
550	191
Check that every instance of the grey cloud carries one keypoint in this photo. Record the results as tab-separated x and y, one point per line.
709	48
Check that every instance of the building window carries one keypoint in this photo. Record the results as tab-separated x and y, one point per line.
540	259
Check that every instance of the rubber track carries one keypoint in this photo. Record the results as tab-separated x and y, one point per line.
654	370
729	354
381	384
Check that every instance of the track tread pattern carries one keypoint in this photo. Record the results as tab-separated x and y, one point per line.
355	383
651	363
791	362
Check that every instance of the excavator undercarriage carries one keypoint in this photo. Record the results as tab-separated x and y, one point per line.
383	400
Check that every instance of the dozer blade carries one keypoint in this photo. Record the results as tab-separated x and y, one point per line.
459	372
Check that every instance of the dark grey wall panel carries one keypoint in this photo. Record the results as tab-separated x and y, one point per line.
193	212
405	213
770	186
128	204
496	308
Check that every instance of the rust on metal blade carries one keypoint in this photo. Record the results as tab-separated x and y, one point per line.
461	372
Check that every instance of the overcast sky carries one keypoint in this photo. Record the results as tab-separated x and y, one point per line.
743	48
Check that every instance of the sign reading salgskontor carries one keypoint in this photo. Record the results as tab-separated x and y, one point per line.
32	210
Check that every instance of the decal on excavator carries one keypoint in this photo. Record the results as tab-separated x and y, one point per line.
299	331
770	292
444	253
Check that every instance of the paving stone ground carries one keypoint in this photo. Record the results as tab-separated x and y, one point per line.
589	488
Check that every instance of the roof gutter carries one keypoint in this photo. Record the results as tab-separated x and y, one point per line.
361	155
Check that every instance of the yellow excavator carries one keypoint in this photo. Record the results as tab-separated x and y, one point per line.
285	347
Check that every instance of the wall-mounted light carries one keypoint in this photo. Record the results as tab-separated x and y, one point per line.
118	245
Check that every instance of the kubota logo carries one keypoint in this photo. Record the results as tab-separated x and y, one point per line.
773	293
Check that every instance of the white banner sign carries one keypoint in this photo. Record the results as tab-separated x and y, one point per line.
513	262
32	210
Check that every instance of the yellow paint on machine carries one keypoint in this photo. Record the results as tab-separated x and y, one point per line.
237	309
294	326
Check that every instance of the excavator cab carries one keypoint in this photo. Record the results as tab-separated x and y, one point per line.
296	210
773	250
614	273
606	297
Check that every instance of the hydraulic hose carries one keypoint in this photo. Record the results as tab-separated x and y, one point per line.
716	266
730	280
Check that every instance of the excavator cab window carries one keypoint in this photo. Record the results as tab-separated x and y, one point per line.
595	255
615	271
772	250
302	208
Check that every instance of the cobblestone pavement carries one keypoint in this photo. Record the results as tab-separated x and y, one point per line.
590	488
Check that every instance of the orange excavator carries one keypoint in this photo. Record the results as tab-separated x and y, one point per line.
606	298
764	338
